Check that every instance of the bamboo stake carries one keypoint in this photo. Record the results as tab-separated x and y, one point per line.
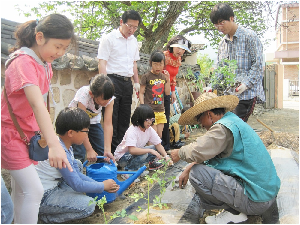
192	97
265	125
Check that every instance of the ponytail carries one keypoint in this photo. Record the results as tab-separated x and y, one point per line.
53	26
25	35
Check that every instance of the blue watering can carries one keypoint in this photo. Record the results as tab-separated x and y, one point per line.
104	171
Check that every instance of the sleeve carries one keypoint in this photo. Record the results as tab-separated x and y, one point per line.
131	137
256	55
143	79
104	48
22	71
82	96
137	53
211	144
75	181
154	138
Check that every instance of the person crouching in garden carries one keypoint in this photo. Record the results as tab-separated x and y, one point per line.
230	168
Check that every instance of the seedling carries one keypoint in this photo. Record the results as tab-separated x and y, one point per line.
137	197
150	180
100	203
162	183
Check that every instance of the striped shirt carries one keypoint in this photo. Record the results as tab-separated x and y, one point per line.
247	50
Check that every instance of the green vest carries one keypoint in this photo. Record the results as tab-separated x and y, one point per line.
249	161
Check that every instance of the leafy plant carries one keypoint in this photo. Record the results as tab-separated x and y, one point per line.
224	76
150	180
100	203
161	180
195	83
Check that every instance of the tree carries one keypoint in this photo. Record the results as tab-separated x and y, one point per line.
205	63
161	19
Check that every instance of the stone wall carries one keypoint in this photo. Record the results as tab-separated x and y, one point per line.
65	84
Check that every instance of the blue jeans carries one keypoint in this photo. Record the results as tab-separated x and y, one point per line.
134	162
96	138
62	204
7	207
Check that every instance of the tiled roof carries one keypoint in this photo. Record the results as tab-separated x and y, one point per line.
85	58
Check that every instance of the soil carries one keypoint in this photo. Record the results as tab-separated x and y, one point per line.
283	122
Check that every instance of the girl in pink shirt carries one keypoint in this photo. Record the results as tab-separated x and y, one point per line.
133	152
27	79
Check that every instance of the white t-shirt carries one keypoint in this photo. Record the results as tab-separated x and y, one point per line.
83	96
119	52
134	136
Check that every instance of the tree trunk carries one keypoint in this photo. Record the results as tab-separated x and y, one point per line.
157	39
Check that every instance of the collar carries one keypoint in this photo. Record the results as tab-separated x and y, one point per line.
119	34
237	34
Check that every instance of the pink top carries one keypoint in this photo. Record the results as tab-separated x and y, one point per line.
134	136
23	71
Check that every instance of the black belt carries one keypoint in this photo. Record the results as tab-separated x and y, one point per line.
120	77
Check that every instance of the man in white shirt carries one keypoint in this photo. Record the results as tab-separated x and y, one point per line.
118	52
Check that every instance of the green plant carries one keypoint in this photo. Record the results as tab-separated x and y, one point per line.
195	83
161	180
150	180
224	76
100	203
205	63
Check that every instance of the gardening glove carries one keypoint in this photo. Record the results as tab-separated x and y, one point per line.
240	89
137	87
207	89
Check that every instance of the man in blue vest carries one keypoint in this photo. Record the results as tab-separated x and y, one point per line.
229	168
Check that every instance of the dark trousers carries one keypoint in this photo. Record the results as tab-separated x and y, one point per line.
166	133
121	110
245	108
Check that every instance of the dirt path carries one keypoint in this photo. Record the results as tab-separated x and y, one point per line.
284	122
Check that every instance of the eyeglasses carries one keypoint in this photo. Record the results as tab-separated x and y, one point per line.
220	24
198	117
131	27
152	120
84	131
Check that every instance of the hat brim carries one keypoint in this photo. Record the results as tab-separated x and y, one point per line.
229	102
181	46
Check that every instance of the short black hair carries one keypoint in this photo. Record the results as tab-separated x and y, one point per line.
220	12
132	15
218	111
71	119
157	56
174	40
140	114
101	85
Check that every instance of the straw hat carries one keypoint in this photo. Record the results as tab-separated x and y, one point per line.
205	102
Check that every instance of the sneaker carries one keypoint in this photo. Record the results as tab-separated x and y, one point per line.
225	217
154	165
126	176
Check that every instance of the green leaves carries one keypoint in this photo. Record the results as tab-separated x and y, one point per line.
100	203
161	19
